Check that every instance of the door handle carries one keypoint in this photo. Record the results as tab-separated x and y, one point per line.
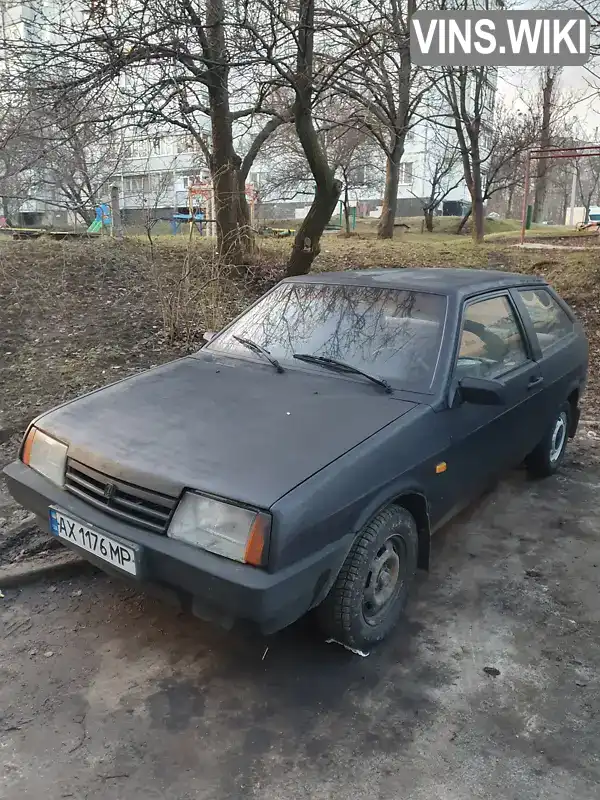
535	381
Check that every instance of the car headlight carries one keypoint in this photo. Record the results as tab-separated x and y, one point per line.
45	455
222	528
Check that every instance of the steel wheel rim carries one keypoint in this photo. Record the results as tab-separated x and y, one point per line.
385	580
559	436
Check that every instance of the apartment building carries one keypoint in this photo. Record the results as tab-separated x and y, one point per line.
153	170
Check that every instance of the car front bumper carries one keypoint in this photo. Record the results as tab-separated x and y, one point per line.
213	587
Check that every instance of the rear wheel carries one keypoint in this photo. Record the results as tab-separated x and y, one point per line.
550	452
370	592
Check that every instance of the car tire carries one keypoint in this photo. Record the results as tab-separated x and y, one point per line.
550	452
371	589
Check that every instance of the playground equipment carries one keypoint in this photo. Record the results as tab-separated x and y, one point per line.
551	153
103	219
592	221
200	199
197	219
201	212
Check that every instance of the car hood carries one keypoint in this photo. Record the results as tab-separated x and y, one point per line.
228	426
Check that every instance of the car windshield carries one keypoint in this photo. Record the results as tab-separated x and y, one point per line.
392	333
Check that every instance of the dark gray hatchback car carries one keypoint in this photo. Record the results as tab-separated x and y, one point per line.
303	457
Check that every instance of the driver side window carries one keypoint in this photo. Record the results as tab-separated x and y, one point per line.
491	342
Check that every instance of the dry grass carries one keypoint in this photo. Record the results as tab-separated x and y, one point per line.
76	315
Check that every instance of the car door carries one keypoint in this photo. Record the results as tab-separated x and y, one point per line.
485	440
563	351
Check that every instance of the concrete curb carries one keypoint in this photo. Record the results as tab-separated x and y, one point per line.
34	569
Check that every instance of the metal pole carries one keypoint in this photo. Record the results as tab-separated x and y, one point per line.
573	196
525	198
175	189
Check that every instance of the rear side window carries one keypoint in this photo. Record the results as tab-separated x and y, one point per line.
549	321
491	342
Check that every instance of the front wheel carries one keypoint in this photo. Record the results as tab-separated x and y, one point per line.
550	452
370	592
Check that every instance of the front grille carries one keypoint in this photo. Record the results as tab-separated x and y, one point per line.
141	507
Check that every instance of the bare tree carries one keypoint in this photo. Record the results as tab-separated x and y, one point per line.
327	187
387	88
548	93
588	181
349	151
21	149
469	94
501	165
168	62
509	138
441	164
83	156
352	158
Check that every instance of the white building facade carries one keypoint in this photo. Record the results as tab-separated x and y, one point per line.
154	171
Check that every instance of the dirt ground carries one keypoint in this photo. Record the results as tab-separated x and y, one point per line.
489	689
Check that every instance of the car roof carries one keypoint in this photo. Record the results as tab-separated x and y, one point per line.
438	280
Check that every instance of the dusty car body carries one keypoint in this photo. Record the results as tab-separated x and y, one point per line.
304	456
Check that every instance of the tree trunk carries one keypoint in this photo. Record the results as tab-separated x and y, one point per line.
85	215
463	222
478	220
346	204
225	183
247	238
385	229
327	188
564	207
307	244
509	202
550	75
224	161
476	191
428	214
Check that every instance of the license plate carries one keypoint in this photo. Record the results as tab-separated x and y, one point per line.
99	544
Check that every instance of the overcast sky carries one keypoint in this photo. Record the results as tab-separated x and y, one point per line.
574	82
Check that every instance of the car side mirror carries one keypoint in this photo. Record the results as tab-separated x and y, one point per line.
481	391
208	335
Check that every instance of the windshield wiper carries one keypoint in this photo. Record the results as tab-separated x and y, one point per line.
342	366
261	351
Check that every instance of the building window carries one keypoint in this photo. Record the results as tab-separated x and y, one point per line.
255	179
486	141
187	144
406	172
160	146
136	184
357	176
137	148
29	29
161	182
191	180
